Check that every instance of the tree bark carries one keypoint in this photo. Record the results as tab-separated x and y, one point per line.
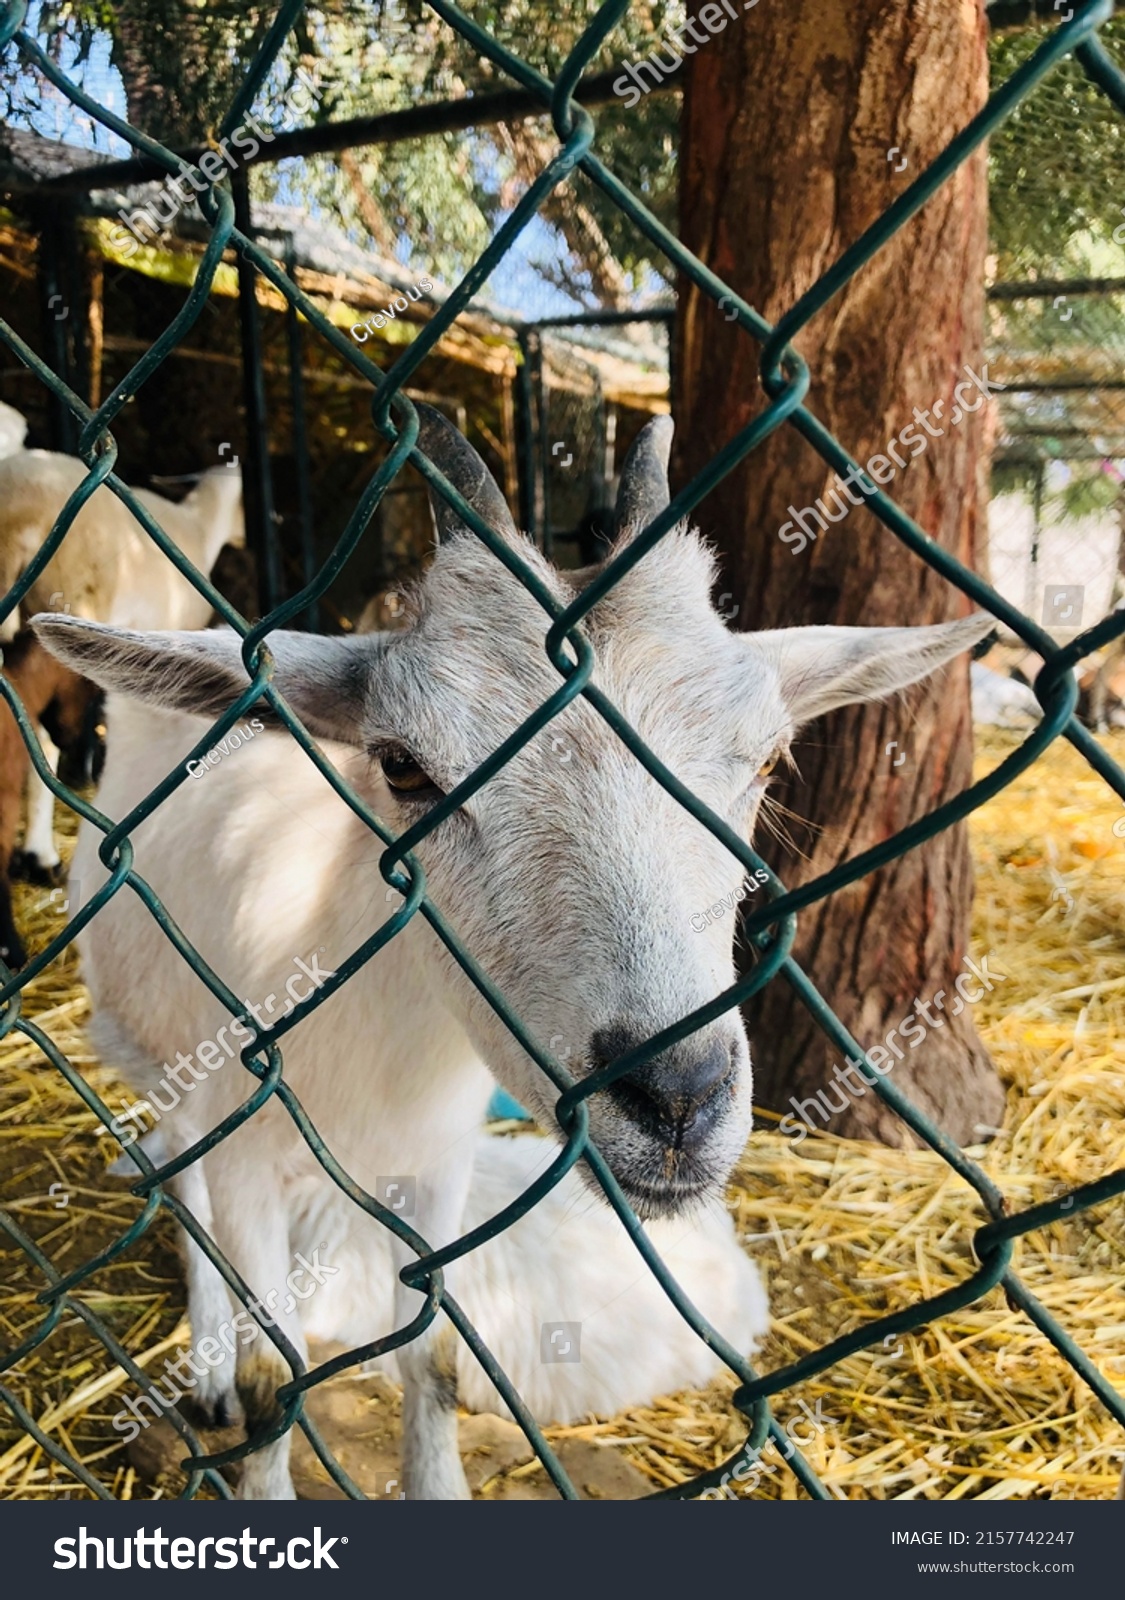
788	119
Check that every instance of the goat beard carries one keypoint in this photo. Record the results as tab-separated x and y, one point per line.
684	1182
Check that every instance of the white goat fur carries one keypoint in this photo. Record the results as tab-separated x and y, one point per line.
567	1260
107	569
1001	702
572	883
13	430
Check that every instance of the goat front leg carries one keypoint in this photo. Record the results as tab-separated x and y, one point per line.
1099	696
14	761
38	861
212	1399
209	1307
252	1228
431	1462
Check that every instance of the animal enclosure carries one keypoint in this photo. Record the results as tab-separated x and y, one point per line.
988	1232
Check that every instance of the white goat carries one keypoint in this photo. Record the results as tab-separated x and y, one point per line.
107	569
572	878
999	701
568	1256
13	430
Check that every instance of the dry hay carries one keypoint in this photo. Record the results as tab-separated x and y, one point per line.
977	1406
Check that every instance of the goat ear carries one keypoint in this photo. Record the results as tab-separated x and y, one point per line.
323	679
455	458
643	490
823	668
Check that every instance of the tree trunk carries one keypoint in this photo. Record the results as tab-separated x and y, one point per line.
788	119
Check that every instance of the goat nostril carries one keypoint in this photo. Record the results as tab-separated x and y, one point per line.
609	1043
679	1095
694	1085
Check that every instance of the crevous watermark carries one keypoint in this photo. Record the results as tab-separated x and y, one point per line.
145	223
379	319
213	1349
748	1473
713	20
883	1058
215	1053
883	469
702	919
234	740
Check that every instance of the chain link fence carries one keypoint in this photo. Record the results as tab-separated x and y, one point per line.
771	926
1059	461
579	434
1055	339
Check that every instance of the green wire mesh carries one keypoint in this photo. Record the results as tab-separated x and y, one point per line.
771	928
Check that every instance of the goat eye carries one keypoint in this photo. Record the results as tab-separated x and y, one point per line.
767	766
404	775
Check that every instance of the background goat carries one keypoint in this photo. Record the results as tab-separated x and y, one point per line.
568	1254
55	696
13	429
107	569
572	877
999	701
48	692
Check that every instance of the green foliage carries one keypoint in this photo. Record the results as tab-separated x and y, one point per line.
437	198
1088	492
1057	210
1057	168
1014	476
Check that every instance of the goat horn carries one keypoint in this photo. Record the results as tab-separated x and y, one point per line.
455	457
643	491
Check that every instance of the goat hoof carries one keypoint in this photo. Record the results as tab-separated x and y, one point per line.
29	869
13	953
219	1410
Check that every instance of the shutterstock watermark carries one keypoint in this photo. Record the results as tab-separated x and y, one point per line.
560	1341
631	83
84	1551
883	1058
147	222
883	469
213	1349
748	1473
214	1053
